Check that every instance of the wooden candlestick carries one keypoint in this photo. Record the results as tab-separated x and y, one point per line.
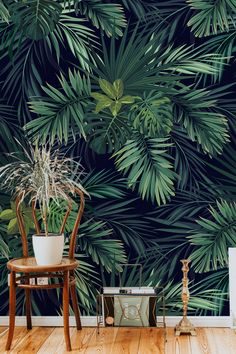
185	325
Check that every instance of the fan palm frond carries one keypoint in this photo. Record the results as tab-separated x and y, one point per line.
147	165
142	62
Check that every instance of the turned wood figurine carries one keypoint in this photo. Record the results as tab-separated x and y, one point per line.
185	325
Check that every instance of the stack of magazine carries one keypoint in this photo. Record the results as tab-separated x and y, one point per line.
148	290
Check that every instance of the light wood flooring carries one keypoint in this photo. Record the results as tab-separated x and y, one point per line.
49	340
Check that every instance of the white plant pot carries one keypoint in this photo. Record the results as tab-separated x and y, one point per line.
48	250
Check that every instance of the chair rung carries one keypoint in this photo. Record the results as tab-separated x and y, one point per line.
35	286
42	275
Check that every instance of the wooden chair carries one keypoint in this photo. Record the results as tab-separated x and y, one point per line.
27	265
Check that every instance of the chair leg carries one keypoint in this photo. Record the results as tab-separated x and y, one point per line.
75	306
12	309
28	309
66	309
28	304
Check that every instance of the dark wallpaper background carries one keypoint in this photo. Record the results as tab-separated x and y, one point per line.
143	94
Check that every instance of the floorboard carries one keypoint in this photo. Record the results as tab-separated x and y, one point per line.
49	340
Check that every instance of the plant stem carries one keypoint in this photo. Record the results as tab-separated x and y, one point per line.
44	217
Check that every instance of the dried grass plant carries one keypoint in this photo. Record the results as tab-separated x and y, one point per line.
42	175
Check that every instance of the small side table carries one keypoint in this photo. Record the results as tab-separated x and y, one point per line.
131	310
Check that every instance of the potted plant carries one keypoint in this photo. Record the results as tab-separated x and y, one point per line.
42	176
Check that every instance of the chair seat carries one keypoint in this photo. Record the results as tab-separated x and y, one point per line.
29	265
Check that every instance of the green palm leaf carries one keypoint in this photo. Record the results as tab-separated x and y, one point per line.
35	18
76	35
201	299
225	169
95	239
222	44
175	13
108	17
62	112
189	163
218	280
146	164
171	225
104	184
197	111
211	16
126	224
8	127
87	282
213	236
4	249
138	7
21	76
4	13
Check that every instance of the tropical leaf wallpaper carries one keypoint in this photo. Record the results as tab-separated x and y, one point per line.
143	94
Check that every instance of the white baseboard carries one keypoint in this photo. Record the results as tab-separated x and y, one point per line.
91	321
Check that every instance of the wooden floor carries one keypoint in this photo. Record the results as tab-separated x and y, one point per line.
49	340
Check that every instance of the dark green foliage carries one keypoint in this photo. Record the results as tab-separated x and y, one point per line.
142	92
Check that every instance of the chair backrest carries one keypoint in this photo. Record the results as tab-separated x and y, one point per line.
22	230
